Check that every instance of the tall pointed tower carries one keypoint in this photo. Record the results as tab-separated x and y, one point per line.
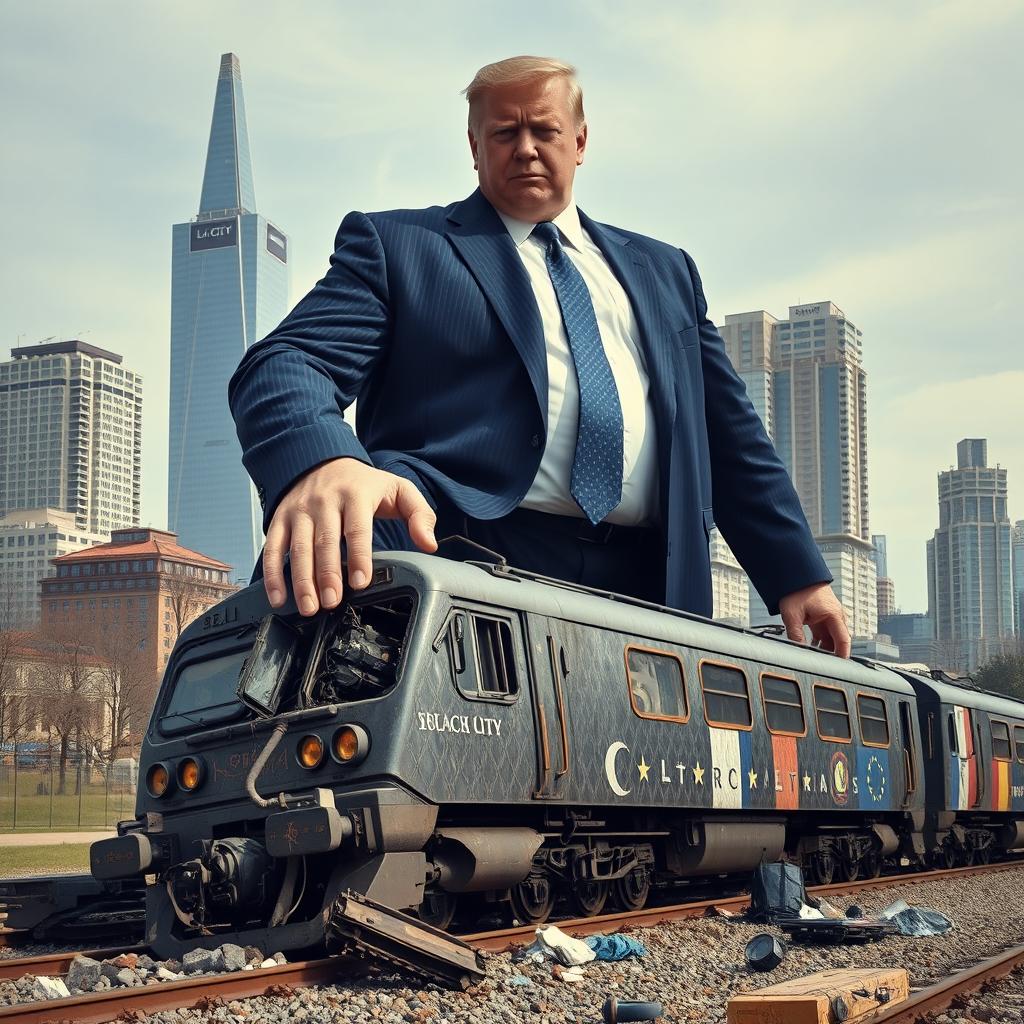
229	288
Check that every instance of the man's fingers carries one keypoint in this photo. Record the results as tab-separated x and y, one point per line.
420	518
327	556
794	627
302	564
358	527
840	638
273	561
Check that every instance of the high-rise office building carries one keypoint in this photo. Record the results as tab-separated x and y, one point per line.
1018	578
970	579
885	587
71	434
730	588
29	538
805	379
228	290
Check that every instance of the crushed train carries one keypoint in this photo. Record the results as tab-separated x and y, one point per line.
463	731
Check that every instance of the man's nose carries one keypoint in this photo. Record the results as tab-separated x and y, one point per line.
526	145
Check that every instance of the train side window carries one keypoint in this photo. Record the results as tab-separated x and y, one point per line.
726	695
783	706
483	656
832	713
1000	740
1018	742
952	734
874	721
656	686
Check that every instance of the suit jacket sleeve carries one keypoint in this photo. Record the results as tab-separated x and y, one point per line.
755	504
290	390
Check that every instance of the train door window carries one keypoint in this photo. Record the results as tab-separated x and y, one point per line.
656	685
783	706
832	713
953	746
1018	742
726	695
1000	741
483	656
874	722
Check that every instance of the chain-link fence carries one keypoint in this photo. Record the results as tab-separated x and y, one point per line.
38	793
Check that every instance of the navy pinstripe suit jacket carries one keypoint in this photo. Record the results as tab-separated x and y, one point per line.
428	318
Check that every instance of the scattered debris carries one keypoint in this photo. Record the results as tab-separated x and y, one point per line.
615	1011
915	920
840	930
615	947
49	988
764	952
568	951
776	891
849	994
569	974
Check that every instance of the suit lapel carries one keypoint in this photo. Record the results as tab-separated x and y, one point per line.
480	238
633	269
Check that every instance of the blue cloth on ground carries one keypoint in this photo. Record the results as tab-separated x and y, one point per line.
615	947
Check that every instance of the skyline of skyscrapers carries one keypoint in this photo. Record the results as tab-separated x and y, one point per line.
71	434
970	579
805	378
229	288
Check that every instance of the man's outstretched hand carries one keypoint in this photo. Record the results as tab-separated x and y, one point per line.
336	499
818	607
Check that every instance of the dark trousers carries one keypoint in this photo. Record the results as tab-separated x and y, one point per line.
623	559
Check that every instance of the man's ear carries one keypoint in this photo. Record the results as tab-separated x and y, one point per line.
472	148
581	143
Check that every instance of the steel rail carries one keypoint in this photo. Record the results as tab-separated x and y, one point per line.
99	1007
937	998
58	963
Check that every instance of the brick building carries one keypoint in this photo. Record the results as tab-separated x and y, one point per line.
142	584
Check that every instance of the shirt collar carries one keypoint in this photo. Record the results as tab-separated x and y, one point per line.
567	222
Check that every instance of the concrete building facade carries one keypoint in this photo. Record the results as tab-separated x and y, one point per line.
970	575
29	539
71	434
1018	578
228	289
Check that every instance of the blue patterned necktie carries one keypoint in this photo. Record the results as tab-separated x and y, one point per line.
596	482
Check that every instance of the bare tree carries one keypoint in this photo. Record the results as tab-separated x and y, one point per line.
190	596
67	667
126	683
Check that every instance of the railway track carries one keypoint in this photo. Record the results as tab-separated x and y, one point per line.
99	1007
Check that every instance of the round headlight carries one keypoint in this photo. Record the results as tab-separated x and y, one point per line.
310	751
190	774
350	744
158	778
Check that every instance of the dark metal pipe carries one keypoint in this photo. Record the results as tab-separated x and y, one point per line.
254	773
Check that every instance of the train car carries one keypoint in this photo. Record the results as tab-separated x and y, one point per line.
464	732
973	748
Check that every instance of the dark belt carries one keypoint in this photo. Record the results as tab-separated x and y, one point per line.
579	528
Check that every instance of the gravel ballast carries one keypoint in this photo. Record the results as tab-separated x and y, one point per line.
691	967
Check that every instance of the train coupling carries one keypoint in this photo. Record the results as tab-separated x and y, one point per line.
311	824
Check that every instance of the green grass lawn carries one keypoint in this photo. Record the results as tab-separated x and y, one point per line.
32	808
44	860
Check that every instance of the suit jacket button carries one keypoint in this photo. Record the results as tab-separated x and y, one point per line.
535	441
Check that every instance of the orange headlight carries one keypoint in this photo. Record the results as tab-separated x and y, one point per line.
346	743
157	780
190	774
311	751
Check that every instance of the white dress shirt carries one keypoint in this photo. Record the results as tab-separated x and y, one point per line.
620	337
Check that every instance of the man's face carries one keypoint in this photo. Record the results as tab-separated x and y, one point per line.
527	147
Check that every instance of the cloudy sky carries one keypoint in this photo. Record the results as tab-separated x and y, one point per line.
866	153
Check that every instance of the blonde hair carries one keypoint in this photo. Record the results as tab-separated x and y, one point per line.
515	70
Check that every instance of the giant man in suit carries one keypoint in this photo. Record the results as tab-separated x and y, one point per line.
436	321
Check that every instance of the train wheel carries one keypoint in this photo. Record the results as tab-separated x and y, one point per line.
533	899
848	870
587	899
631	892
821	868
983	855
437	909
872	864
